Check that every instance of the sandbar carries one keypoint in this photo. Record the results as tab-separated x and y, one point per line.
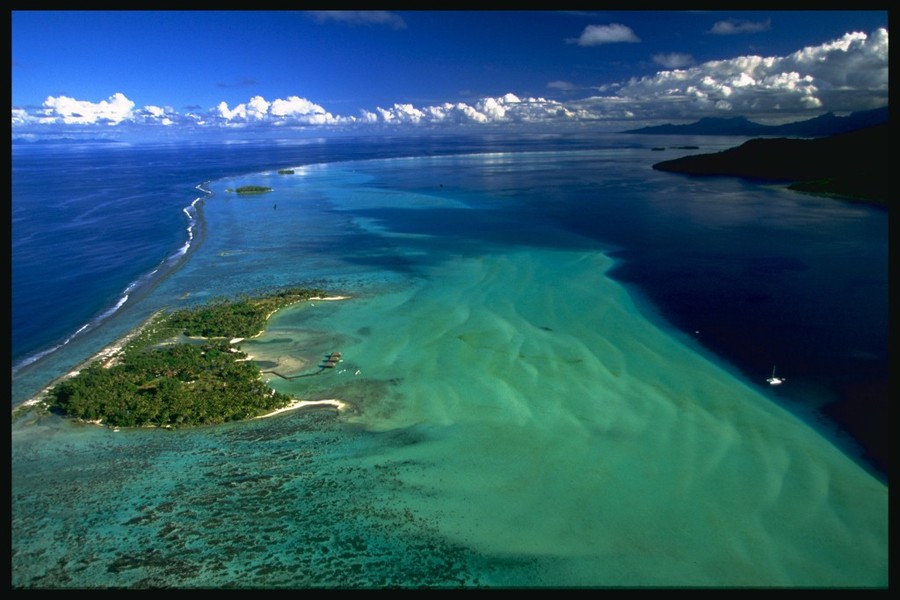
339	404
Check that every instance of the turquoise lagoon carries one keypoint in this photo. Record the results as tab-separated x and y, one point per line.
516	417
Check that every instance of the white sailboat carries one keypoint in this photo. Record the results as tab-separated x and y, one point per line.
775	380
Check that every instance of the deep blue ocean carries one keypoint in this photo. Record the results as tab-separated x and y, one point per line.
747	275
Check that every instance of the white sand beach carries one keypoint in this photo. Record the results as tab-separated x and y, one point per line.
339	404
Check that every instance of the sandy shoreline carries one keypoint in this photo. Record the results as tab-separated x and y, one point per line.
269	316
339	404
109	354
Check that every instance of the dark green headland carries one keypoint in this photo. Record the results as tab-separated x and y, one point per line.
852	165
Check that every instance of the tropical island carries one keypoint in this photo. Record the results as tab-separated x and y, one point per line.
181	369
251	189
851	166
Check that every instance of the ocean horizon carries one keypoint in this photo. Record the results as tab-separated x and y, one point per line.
555	359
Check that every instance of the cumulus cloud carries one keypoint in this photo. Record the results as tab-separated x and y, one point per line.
71	111
507	109
401	113
844	75
361	17
19	116
257	108
848	74
733	27
595	35
238	112
290	111
295	106
157	115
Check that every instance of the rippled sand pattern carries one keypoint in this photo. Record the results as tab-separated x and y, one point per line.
556	422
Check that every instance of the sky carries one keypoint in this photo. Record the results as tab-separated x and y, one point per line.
144	74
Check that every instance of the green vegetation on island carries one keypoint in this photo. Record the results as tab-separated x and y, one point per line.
243	317
251	189
852	166
158	379
285	171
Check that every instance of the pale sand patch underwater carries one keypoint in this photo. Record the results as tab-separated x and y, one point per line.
553	420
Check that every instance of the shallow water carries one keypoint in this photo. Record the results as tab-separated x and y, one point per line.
565	425
517	418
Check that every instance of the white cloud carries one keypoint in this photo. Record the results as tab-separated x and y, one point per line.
295	106
71	111
155	111
508	108
453	113
493	108
19	116
238	112
368	116
847	74
594	35
407	113
257	108
157	115
511	108
855	61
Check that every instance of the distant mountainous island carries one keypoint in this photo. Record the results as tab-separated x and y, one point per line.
849	165
823	125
